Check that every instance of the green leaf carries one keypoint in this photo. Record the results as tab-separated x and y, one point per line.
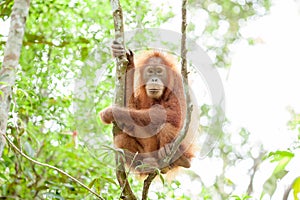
279	155
110	180
162	179
28	149
236	197
269	186
296	188
243	197
2	176
283	158
43	187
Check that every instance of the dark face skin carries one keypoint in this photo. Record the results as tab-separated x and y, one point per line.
155	76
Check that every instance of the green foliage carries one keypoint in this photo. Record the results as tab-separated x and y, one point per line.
65	42
6	8
296	188
283	158
243	197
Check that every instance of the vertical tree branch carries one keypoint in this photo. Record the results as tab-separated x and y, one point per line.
189	110
183	41
147	184
257	162
122	62
184	73
119	98
287	192
11	61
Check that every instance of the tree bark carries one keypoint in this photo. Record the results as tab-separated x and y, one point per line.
184	73
11	61
189	110
119	98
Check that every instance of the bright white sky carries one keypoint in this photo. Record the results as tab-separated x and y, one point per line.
263	81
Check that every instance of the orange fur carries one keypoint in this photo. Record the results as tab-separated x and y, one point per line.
147	117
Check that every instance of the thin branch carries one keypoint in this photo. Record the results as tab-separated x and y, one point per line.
121	61
119	98
287	192
184	73
257	162
289	189
49	166
189	108
183	41
147	184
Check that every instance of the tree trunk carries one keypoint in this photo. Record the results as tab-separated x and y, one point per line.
11	61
